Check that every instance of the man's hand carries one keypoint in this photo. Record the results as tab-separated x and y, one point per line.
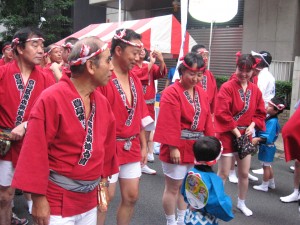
18	132
144	156
40	210
56	69
157	54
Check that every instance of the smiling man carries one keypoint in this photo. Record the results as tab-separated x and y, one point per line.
21	82
125	94
70	143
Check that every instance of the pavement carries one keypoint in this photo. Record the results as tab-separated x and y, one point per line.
266	206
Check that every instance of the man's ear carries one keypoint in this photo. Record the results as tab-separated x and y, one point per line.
20	50
89	65
118	50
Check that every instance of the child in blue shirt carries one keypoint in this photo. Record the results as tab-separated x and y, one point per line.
202	189
266	141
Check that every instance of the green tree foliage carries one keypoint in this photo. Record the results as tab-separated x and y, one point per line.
15	14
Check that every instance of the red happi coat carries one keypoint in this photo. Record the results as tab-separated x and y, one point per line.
179	112
49	72
147	80
236	108
209	85
66	71
291	137
2	62
129	118
17	99
61	138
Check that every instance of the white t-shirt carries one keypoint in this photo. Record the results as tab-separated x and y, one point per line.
266	84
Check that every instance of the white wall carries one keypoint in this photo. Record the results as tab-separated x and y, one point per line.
271	25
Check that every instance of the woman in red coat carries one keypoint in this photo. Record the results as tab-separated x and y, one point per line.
184	117
239	109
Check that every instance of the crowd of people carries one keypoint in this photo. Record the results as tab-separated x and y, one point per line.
79	118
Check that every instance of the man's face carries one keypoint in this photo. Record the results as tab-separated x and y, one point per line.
65	54
8	53
104	68
33	51
131	54
142	54
56	55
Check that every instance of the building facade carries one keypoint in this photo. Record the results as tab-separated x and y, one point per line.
271	25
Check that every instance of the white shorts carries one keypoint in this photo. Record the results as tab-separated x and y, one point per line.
175	171
228	154
150	127
6	173
87	218
266	163
127	171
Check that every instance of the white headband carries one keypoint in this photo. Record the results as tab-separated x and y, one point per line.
253	53
85	50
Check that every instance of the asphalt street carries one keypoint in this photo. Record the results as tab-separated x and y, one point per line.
266	206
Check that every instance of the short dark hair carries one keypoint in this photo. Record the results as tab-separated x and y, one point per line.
266	57
206	148
245	62
129	36
5	44
147	55
196	47
277	101
23	34
190	59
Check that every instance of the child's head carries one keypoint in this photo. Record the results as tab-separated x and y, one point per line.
207	150
275	106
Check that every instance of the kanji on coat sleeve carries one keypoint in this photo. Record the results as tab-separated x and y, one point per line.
147	79
179	112
236	108
130	119
291	137
17	99
60	139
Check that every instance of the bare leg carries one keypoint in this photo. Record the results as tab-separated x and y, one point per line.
6	198
224	165
150	157
149	138
101	216
297	174
267	173
181	208
29	201
130	194
243	170
171	198
294	196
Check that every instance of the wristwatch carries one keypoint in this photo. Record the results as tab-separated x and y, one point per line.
25	126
